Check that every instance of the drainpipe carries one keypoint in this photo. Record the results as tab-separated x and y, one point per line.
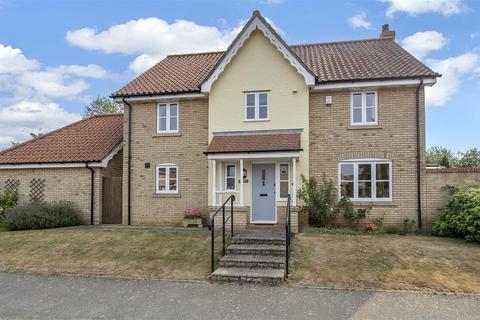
92	190
419	195
129	180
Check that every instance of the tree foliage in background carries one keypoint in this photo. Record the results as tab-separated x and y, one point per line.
101	105
447	158
470	158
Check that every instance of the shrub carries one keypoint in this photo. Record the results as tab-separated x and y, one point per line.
7	201
353	216
378	221
319	201
407	227
391	230
42	215
460	217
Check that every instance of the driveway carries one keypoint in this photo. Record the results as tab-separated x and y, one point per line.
24	296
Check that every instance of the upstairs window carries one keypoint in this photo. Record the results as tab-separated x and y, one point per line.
364	108
167	118
366	180
256	106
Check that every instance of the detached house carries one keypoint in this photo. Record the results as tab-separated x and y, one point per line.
251	120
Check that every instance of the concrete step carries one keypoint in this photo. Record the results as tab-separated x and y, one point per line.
256	249
259	238
252	261
272	276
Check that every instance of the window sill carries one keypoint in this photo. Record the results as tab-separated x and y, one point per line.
256	120
166	195
388	203
167	134
364	126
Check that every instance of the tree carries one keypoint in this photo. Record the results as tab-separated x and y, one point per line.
101	105
441	156
470	158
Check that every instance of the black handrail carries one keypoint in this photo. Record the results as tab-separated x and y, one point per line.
211	227
288	232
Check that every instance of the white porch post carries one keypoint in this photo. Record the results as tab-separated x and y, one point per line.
294	181
214	183
241	182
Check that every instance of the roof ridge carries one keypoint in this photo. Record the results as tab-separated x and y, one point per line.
105	115
195	53
337	42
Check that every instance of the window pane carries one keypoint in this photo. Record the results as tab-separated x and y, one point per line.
173	185
283	189
250	99
163	124
346	171
357	100
370	114
262	97
163	111
346	189
263	112
173	123
383	190
230	183
357	115
231	171
364	172
383	171
161	179
284	172
173	173
173	110
370	99
250	112
364	189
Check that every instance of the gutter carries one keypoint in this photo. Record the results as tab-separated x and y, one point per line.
129	142
419	192
92	190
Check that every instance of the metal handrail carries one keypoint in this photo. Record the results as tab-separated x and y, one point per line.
288	232
211	227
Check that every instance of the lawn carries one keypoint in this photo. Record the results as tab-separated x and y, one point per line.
386	261
172	255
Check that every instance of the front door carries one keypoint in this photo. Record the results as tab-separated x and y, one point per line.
263	193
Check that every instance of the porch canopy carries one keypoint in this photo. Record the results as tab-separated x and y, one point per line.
264	145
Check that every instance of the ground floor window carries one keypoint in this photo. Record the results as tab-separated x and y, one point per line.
284	181
366	180
230	176
167	178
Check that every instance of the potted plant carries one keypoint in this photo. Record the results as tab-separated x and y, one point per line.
192	217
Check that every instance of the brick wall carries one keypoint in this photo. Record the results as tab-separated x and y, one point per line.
184	149
332	139
436	195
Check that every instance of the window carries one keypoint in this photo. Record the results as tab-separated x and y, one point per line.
256	106
284	181
230	177
369	180
167	118
167	178
364	108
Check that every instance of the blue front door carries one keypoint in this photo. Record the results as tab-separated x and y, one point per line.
263	193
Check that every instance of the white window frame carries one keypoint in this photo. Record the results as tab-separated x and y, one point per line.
167	117
277	182
167	167
364	109
257	105
373	163
227	176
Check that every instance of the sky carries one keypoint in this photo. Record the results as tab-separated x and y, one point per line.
56	56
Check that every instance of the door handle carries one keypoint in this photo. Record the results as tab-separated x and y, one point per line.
263	194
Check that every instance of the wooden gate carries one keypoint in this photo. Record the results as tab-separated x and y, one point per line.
112	200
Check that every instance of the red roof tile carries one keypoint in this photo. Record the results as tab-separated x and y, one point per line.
88	140
335	61
255	143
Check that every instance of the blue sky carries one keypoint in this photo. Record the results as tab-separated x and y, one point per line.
55	56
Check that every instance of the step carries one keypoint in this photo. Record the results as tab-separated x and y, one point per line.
273	276
256	249
259	238
252	261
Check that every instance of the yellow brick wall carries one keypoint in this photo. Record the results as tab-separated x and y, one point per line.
332	139
184	149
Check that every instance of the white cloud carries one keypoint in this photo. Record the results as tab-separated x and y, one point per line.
89	71
135	38
453	69
12	60
415	7
359	21
18	120
272	2
52	84
422	43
